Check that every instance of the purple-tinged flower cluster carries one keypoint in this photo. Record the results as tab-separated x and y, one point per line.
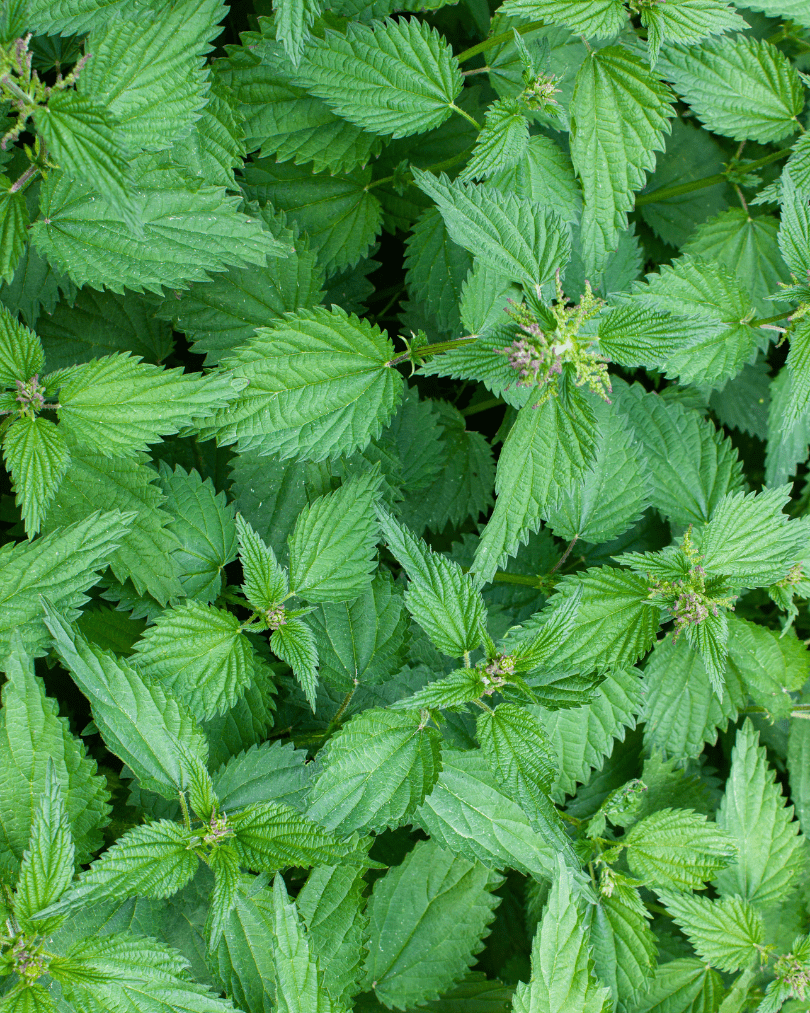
275	617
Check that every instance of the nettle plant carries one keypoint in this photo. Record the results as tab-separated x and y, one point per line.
404	540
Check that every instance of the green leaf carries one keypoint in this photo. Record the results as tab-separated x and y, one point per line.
396	78
798	755
545	175
47	866
37	458
13	228
687	21
502	143
264	582
349	391
242	961
147	71
691	464
562	975
686	985
437	268
154	734
271	772
200	655
749	537
615	490
300	987
601	20
770	666
794	229
333	543
332	905
152	860
447	899
375	772
216	143
583	736
32	738
798	364
771	855
21	355
203	524
271	836
361	642
682	709
294	19
787	445
548	449
294	643
517	749
742	88
726	933
61	565
444	600
619	118
31	999
469	813
506	233
118	405
84	139
81	234
624	947
786	9
127	484
678	848
337	211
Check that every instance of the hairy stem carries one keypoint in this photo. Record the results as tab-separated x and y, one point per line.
497	40
482	406
564	556
467	117
448	163
440	346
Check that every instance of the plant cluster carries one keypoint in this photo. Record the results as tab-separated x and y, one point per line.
404	539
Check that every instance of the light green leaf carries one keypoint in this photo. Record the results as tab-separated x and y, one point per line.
48	864
31	999
200	655
13	228
798	364
562	977
81	234
507	233
548	449
619	118
678	848
583	736
271	836
624	947
264	582
427	919
691	464
84	139
600	20
37	458
375	772
150	731
770	666
21	355
787	445
271	772
332	905
127	484
470	814
545	176
61	565
293	21
687	21
682	710
437	268
614	492
798	765
294	643
772	857
32	737
502	143
398	77
726	933
333	542
794	10
67	17
118	405
148	71
216	143
362	642
743	88
794	229
319	385
685	985
203	523
242	962
445	602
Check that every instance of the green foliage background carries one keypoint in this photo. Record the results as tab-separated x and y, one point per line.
405	411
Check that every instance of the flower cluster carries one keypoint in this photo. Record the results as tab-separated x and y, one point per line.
219	830
27	959
30	396
496	673
687	597
538	355
275	617
793	971
539	93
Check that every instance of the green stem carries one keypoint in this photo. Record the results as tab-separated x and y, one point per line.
770	320
700	184
184	806
467	117
440	346
515	578
448	163
497	40
482	406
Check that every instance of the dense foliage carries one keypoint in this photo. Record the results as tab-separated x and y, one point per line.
404	541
